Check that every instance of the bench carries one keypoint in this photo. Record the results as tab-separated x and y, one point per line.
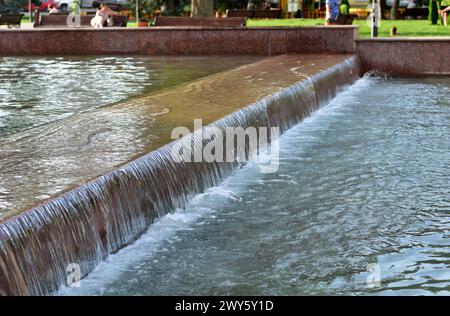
266	14
60	20
11	19
239	13
200	21
415	13
254	14
345	19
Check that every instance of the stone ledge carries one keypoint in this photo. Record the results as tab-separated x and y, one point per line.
174	28
179	41
405	56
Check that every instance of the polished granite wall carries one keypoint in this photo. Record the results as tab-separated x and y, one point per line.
405	56
178	41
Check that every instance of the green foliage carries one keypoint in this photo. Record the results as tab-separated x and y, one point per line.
14	6
187	8
223	5
182	7
172	7
146	7
178	7
344	8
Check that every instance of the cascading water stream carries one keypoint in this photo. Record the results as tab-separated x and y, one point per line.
88	223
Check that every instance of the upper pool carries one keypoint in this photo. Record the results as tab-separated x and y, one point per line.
66	120
37	91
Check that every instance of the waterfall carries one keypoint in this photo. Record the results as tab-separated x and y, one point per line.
86	224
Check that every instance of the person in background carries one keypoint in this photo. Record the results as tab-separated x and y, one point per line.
103	17
445	8
76	7
332	11
434	8
411	4
251	5
308	9
266	5
52	9
98	21
344	8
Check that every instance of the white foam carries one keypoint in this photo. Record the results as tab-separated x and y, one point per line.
163	230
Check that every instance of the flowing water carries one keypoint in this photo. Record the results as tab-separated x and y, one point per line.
360	205
84	225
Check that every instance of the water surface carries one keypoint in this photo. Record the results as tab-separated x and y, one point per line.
40	163
37	91
66	120
363	186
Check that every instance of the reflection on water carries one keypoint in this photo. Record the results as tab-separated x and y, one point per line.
363	183
45	148
41	90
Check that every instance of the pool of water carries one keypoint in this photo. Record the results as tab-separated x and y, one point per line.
64	121
360	205
37	91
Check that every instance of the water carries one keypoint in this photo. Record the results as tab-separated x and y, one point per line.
67	120
37	91
363	183
39	163
86	224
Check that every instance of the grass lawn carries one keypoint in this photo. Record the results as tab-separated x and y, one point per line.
404	27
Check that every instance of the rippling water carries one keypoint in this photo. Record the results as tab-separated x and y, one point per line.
36	91
362	191
67	120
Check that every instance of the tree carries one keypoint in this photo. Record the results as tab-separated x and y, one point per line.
383	9
146	7
13	6
223	5
202	8
394	9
